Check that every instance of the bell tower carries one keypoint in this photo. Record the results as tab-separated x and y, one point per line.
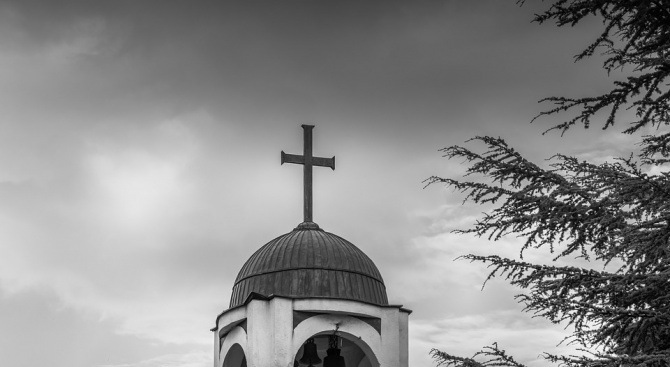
310	298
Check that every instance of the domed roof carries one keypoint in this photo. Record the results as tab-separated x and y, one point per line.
310	263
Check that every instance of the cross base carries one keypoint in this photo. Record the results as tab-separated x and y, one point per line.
307	225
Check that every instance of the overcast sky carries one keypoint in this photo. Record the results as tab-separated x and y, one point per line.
139	161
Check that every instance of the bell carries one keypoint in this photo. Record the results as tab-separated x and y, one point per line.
334	359
309	355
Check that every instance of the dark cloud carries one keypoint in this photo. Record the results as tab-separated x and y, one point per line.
139	148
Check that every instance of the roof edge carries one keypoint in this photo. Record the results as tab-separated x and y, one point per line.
257	296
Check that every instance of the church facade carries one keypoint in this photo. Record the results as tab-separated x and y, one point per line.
310	297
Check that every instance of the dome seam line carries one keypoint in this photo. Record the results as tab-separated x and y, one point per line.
308	268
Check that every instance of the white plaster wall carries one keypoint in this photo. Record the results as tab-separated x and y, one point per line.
236	336
224	320
230	317
338	306
270	339
403	322
390	338
282	331
259	334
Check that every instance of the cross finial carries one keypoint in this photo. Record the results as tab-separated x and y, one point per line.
307	160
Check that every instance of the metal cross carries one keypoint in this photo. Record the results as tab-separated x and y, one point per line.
307	160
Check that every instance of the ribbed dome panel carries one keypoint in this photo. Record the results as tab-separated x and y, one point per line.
310	263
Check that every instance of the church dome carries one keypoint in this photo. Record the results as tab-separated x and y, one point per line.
310	263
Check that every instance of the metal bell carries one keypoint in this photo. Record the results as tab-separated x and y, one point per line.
309	355
334	359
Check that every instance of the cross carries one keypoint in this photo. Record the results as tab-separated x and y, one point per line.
307	160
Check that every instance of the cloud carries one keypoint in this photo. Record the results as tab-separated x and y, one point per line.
193	359
118	235
522	336
140	141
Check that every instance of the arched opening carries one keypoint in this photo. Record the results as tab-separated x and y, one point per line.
356	353
235	357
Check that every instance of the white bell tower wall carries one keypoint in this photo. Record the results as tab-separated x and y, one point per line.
271	330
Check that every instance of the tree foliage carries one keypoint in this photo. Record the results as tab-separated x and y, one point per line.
636	37
616	212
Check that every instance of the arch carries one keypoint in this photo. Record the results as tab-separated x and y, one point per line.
358	332
364	363
234	344
235	357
